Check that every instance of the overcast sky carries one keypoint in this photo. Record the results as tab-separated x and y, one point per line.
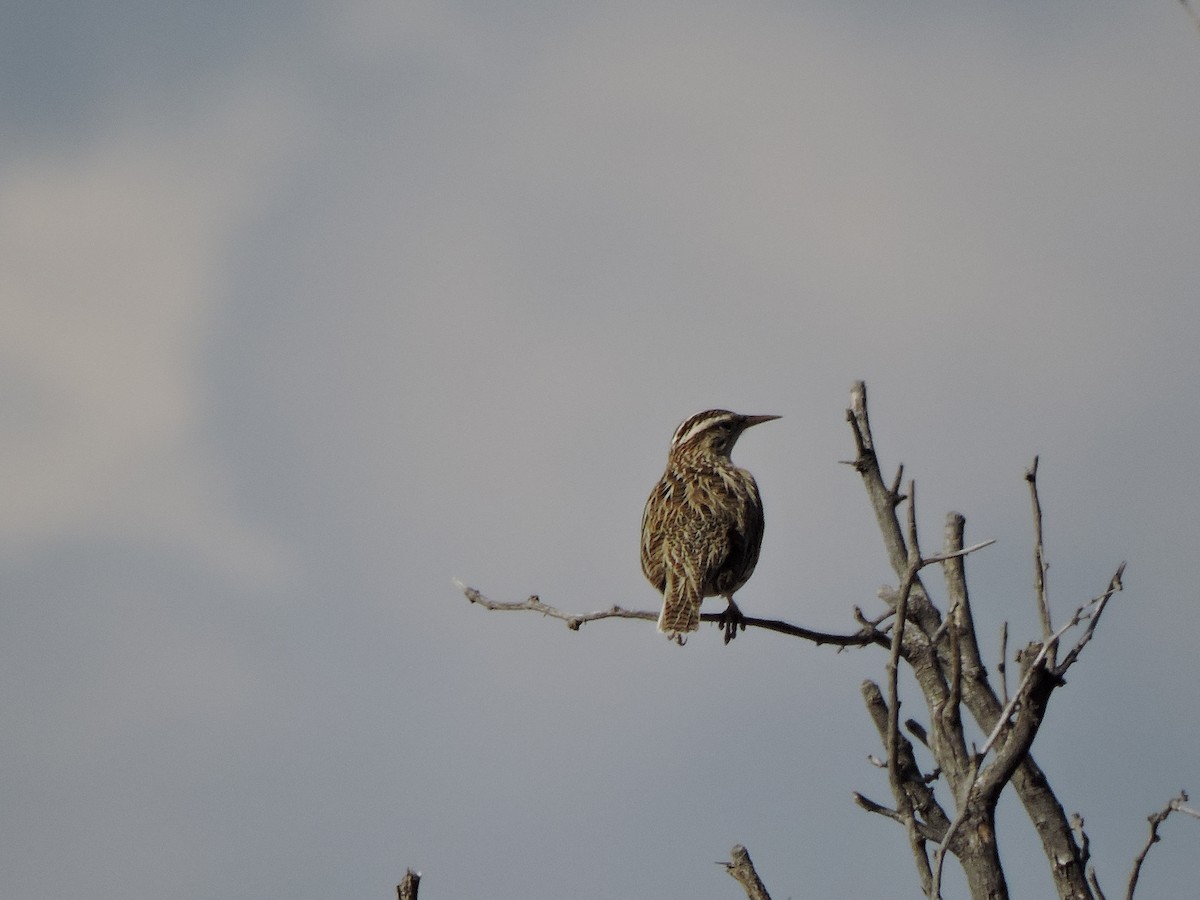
308	310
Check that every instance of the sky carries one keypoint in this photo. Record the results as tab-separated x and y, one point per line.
309	311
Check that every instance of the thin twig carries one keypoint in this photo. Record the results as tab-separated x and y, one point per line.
897	497
942	557
1002	666
964	807
1089	611
1114	585
534	604
1178	804
870	805
866	635
1039	554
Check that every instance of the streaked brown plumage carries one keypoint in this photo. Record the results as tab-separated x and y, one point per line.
703	524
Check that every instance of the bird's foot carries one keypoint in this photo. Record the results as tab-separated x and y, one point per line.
732	620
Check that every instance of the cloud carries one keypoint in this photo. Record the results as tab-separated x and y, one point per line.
114	255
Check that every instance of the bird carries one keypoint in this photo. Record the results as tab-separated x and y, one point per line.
703	523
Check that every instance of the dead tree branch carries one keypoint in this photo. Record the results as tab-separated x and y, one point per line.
868	633
742	870
945	659
1091	612
1177	804
1085	855
931	820
904	802
407	888
1002	665
1039	553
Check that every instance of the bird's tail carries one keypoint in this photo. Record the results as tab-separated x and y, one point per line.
680	610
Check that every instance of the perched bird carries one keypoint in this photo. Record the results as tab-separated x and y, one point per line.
703	523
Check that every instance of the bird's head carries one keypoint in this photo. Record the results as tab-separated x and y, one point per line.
712	433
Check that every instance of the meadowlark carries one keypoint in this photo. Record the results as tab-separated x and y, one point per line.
703	524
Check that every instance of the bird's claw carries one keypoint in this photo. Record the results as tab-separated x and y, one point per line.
732	621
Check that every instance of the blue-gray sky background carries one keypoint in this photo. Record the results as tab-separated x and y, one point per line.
308	310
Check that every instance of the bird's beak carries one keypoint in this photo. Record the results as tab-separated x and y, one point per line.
747	421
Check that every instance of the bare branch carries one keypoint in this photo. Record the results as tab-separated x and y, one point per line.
867	634
957	554
859	638
950	718
962	649
407	889
1039	554
954	572
534	604
1040	667
964	807
1032	670
1093	615
1178	804
1002	666
1085	855
870	805
916	784
904	806
883	499
897	497
934	670
742	871
904	776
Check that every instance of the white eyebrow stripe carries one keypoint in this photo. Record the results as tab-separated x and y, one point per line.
699	426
